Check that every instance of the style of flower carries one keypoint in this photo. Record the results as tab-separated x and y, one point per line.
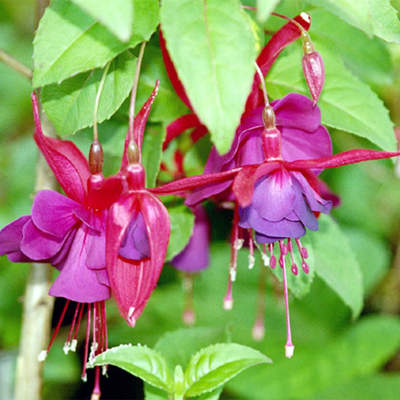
138	227
69	233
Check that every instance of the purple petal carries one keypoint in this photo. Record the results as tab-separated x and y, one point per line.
11	236
53	213
274	196
76	281
59	259
195	256
96	243
39	245
135	244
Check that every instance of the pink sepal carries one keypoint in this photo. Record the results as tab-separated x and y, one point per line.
69	165
132	282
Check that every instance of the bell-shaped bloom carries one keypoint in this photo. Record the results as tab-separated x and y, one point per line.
138	229
303	137
196	255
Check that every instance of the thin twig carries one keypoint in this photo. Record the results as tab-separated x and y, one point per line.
15	65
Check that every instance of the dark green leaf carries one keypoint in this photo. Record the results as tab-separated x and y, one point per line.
212	366
116	15
182	221
68	41
213	48
140	361
336	263
346	103
70	105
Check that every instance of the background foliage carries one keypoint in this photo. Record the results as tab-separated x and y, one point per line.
346	324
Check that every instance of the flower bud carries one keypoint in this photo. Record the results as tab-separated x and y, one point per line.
96	158
314	70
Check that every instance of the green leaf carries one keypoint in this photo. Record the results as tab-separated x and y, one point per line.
178	346
299	284
213	49
152	393
264	8
70	105
167	105
140	361
68	41
214	365
151	153
375	17
182	222
330	364
117	15
214	395
366	57
336	263
346	103
373	387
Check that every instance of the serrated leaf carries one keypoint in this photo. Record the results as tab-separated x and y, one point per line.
375	17
151	153
182	222
299	284
213	48
264	8
70	105
214	365
68	41
140	361
336	263
367	58
117	15
346	103
361	350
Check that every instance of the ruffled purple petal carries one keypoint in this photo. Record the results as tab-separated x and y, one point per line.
39	245
96	243
10	239
195	256
59	259
274	196
76	281
53	213
135	244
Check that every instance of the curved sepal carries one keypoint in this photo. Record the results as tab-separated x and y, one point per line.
281	39
172	74
132	282
139	125
69	165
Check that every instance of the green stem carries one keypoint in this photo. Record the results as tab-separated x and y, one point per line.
15	65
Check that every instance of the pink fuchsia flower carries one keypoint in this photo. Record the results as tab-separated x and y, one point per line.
303	137
138	227
69	233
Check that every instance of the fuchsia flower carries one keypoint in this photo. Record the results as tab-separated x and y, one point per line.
138	228
69	233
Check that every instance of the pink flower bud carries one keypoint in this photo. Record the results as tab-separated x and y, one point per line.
314	72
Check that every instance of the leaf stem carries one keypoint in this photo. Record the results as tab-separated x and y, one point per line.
97	102
262	81
15	65
134	91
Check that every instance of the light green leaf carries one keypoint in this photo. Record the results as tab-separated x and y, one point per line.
213	48
116	15
336	263
361	350
182	222
140	361
346	103
214	395
299	284
152	393
152	152
375	17
70	105
264	8
68	41
368	58
214	365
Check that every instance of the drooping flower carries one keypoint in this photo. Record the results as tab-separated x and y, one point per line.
138	227
69	233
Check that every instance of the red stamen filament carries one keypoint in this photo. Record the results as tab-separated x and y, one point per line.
67	345
88	318
251	251
74	341
294	267
303	254
272	260
259	328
